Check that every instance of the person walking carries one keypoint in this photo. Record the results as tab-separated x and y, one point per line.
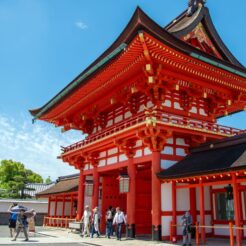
109	222
12	220
21	224
186	223
86	220
95	222
119	220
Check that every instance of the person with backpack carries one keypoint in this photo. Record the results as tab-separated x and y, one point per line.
21	224
109	222
12	220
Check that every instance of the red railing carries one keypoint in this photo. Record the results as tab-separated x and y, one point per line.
156	115
57	221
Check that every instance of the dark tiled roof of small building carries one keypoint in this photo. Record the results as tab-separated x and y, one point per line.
213	157
64	184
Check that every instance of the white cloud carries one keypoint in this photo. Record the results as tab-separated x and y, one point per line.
37	146
81	25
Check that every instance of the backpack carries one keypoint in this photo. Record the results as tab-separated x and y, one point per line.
109	215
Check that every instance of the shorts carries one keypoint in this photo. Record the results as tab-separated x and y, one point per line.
12	223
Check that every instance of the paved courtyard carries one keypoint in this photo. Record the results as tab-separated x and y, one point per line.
53	236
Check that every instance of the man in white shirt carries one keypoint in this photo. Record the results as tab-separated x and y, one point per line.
86	220
119	219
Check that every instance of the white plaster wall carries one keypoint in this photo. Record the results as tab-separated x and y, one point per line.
138	153
147	151
112	160
40	206
122	157
181	141
207	204
128	114
183	199
112	151
59	209
166	197
102	163
167	103
165	223
67	209
180	152
179	228
52	208
168	150
170	140
208	219
222	231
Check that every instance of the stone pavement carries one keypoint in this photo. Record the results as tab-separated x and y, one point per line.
54	237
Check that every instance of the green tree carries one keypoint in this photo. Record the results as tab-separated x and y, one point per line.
48	180
14	177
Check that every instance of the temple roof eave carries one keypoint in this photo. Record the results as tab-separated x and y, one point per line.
139	22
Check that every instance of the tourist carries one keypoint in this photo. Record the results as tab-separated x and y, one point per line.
12	220
186	223
95	222
119	219
109	222
21	224
86	220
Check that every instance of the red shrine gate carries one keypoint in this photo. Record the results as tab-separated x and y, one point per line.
144	102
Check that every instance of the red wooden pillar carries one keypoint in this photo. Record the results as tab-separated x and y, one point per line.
174	208
63	206
71	207
49	201
81	195
131	199
95	187
55	214
236	209
193	204
156	196
202	213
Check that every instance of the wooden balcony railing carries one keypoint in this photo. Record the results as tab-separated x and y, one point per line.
156	116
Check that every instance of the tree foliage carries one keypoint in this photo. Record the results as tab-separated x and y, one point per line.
14	177
48	180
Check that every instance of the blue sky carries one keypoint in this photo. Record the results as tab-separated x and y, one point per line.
45	44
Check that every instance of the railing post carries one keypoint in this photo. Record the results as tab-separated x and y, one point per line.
197	233
171	230
231	234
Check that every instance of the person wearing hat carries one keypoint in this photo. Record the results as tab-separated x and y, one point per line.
86	220
95	222
21	224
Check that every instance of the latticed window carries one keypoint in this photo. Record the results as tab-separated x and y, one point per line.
89	188
124	181
224	207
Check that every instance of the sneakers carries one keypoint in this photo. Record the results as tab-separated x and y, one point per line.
26	239
14	239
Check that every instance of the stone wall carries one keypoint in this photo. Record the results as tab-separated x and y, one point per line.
4	218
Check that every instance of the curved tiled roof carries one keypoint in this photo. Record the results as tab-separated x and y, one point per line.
64	184
227	154
139	22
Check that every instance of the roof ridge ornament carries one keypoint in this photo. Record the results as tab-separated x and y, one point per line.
194	5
